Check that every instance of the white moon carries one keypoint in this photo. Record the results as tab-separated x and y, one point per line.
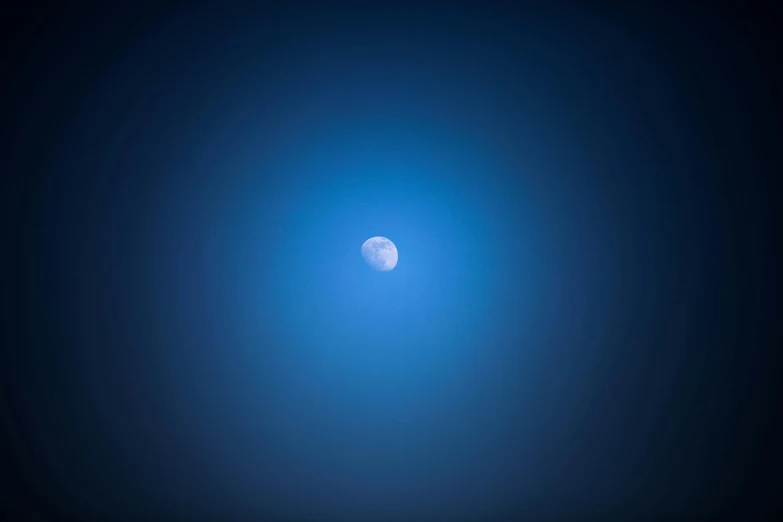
380	253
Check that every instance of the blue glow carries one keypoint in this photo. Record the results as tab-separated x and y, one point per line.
205	211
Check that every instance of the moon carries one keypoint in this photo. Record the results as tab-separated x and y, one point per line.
380	253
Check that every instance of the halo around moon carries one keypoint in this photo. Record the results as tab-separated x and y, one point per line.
380	253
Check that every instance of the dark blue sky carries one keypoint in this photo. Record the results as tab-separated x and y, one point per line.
577	326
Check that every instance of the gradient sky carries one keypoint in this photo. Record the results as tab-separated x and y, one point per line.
577	324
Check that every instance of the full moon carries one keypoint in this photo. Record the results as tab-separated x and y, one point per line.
380	253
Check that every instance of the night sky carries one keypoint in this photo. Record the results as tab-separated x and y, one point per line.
583	322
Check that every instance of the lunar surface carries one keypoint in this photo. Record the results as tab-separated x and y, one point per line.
380	253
